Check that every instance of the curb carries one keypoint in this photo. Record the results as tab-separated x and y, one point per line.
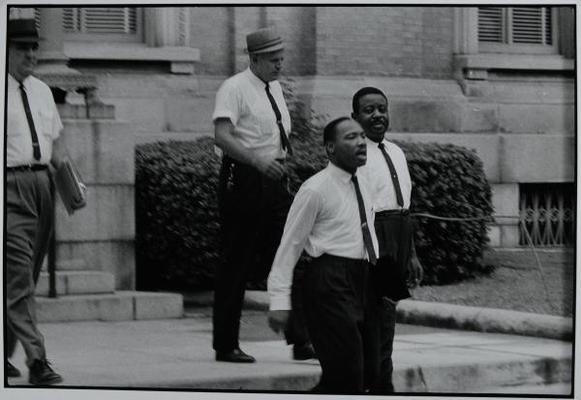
440	315
466	378
484	319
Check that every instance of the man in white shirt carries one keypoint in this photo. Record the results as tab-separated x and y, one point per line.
251	124
330	219
33	128
398	266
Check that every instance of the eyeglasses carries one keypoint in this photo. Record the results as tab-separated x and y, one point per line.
26	46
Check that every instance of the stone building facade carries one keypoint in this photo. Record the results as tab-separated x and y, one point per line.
500	80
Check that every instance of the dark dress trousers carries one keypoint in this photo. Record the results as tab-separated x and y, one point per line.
338	304
394	231
253	210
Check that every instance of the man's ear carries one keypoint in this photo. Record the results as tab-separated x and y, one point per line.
330	147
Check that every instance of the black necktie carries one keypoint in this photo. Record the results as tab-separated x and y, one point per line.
35	145
393	174
283	138
367	241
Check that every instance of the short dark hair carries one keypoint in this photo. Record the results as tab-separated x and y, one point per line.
362	92
330	130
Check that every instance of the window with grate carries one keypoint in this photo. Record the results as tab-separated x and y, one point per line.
517	29
547	214
100	23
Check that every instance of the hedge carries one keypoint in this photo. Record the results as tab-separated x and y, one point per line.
177	238
177	228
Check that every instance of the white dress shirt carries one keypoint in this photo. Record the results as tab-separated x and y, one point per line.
379	177
242	99
323	218
46	122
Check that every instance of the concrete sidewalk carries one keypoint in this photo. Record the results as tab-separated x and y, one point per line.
178	354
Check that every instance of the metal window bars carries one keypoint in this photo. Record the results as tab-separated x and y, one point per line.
547	214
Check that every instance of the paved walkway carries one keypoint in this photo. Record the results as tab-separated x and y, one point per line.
177	354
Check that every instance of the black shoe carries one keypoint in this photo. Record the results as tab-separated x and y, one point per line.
40	373
11	370
235	356
303	352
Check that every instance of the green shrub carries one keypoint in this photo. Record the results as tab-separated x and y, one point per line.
449	181
177	225
177	238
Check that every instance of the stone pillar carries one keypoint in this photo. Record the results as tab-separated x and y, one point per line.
465	30
52	67
472	80
100	236
169	27
505	199
51	54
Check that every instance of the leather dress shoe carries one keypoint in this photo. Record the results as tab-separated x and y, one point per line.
303	352
11	370
41	373
235	356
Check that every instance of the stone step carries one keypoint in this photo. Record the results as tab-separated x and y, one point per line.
118	306
77	282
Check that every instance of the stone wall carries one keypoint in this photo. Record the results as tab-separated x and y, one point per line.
101	235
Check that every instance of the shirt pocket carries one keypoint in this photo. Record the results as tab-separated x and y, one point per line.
45	125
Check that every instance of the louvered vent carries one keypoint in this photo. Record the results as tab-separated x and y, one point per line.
515	25
100	20
548	26
527	25
490	24
37	18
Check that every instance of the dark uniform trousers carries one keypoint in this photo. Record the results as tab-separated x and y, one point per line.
253	211
29	223
394	234
340	306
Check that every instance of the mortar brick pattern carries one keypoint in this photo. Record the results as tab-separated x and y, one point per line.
393	41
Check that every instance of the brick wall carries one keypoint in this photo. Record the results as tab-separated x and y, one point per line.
384	41
437	42
387	41
297	25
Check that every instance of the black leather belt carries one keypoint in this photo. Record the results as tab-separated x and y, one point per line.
400	211
23	168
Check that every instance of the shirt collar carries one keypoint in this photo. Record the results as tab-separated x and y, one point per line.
375	145
255	79
15	82
339	173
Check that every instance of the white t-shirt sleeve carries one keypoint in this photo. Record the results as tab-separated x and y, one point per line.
227	103
57	125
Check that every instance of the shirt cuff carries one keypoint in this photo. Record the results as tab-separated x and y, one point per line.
280	303
223	114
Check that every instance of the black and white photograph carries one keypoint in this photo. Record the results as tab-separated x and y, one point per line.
289	200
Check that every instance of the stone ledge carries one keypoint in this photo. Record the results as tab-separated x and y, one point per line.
77	282
514	62
118	306
131	52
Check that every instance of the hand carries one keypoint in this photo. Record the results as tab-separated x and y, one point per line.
416	273
278	320
270	167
